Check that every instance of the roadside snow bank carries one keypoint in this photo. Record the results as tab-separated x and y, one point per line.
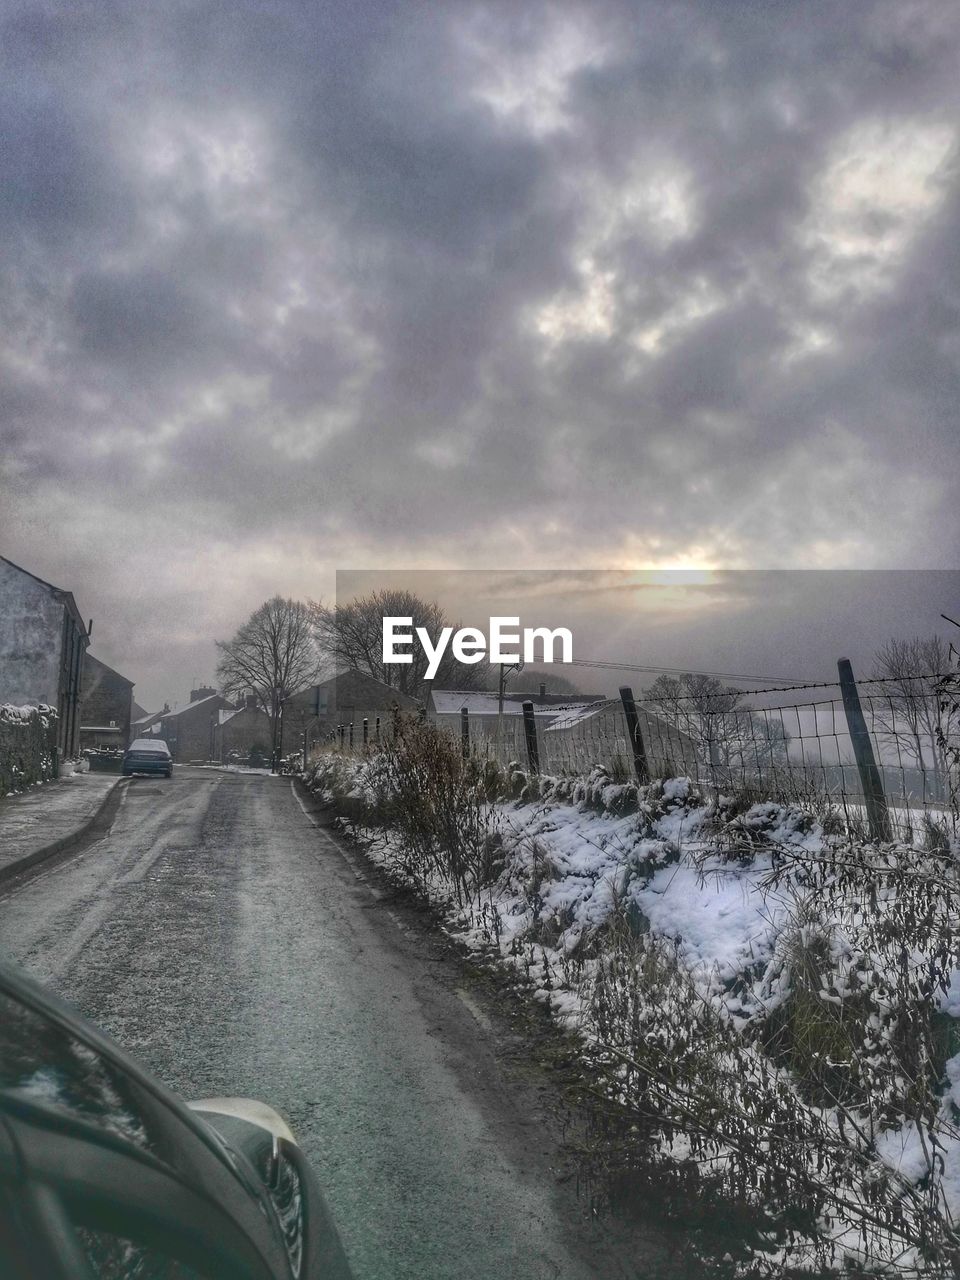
772	1004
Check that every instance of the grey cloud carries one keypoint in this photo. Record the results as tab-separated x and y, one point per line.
278	272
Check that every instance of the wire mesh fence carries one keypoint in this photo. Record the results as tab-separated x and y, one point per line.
792	751
796	751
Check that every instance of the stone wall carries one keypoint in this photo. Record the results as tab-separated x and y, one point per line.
27	737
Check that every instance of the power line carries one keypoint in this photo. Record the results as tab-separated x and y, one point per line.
677	671
782	688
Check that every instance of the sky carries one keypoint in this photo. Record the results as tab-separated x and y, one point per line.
290	288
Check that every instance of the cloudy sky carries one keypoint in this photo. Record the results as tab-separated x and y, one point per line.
288	287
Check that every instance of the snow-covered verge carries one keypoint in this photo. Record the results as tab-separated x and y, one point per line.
772	1006
26	757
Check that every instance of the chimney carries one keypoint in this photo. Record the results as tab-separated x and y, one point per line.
251	701
203	692
543	690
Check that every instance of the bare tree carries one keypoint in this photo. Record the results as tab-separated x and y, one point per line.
906	711
727	732
702	708
272	655
352	635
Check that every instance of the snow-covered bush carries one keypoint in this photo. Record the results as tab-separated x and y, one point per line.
771	1006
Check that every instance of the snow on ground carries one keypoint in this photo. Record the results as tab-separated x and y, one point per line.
686	869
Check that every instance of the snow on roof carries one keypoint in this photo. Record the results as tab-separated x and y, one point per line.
480	702
226	715
567	719
190	705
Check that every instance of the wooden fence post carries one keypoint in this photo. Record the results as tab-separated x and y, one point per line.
636	737
366	730
465	732
530	733
878	815
376	731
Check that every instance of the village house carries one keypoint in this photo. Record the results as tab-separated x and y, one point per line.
244	734
191	732
318	714
106	705
42	643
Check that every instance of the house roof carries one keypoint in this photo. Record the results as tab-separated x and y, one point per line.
59	592
483	702
332	686
198	702
88	658
567	719
147	719
649	720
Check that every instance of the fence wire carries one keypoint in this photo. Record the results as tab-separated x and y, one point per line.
793	752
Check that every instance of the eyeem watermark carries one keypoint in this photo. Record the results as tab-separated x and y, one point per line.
470	644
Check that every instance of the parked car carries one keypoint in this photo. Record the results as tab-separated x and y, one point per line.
105	1174
148	755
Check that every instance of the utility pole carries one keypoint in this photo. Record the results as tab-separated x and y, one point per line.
516	666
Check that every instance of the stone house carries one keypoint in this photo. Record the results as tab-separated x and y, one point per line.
191	733
42	643
244	732
106	705
346	699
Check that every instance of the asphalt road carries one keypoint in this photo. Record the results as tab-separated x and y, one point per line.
237	949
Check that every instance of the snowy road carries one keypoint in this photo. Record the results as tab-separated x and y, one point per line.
234	949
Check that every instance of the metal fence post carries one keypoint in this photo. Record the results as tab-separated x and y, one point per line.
465	732
878	815
530	733
636	737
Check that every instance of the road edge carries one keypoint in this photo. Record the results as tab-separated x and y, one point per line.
65	843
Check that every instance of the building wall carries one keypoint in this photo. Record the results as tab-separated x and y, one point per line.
31	636
41	651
